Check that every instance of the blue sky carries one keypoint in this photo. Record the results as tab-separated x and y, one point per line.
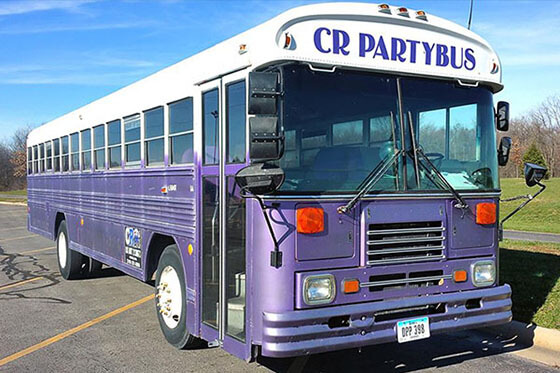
57	55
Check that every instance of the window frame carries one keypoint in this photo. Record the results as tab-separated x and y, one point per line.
131	118
74	153
109	147
146	140
41	158
97	148
171	136
83	151
227	123
64	155
56	154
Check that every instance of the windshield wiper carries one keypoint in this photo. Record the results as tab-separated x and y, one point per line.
443	183
370	180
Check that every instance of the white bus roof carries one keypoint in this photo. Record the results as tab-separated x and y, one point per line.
348	35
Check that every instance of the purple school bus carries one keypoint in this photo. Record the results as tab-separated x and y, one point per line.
323	181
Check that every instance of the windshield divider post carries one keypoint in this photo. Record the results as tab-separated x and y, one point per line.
414	149
395	150
401	125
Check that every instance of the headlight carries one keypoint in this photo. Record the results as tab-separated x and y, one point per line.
483	273
319	289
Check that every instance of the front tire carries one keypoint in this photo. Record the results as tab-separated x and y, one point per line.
70	262
171	302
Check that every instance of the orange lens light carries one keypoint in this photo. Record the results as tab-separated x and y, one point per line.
403	10
383	6
351	286
460	276
310	220
486	213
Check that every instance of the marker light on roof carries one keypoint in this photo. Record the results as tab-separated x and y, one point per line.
403	11
384	8
288	39
242	48
421	15
495	67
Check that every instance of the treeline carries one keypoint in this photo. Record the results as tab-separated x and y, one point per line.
536	139
13	159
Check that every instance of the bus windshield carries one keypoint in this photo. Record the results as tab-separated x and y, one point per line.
339	126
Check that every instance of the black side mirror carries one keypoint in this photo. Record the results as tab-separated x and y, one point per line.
534	174
266	142
263	93
502	116
260	178
503	150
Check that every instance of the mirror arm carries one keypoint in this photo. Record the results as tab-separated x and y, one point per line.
529	199
276	254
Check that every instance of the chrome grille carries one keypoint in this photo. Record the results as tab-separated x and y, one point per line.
405	242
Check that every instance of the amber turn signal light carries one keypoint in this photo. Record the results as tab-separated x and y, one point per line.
310	220
486	213
351	286
460	276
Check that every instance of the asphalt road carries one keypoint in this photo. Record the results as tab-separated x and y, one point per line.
532	236
45	327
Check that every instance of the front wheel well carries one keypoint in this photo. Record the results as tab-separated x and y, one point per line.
59	219
158	243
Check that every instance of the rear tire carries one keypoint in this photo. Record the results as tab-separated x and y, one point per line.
171	302
70	262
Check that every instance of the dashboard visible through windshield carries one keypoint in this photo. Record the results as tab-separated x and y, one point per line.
339	126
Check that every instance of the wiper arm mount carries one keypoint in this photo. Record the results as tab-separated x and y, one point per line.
373	178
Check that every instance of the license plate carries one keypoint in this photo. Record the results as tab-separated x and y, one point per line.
411	330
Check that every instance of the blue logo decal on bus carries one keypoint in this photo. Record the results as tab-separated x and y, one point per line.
395	49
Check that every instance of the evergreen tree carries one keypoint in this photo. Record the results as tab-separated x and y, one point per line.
534	155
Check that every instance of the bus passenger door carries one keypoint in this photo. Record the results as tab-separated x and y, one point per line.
224	152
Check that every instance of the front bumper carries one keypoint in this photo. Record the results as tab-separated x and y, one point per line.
305	332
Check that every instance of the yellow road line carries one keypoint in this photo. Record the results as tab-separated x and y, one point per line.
16	238
20	283
68	333
36	251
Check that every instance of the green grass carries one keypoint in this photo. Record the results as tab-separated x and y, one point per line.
540	215
22	192
533	271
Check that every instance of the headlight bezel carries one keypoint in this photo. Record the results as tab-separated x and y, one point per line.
482	263
307	283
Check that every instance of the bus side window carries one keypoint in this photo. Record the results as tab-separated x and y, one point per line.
114	143
75	151
153	135
86	150
29	160
132	140
236	119
65	149
56	154
210	127
42	158
99	147
48	150
35	159
181	131
348	133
